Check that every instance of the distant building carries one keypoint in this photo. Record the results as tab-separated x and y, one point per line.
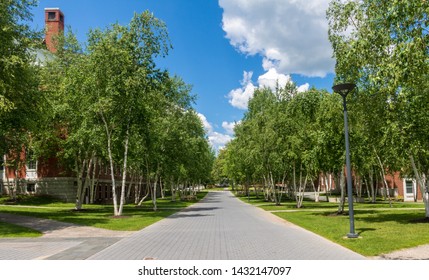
400	187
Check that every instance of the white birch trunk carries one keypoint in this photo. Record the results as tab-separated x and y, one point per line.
373	188
328	184
6	172
295	189
283	187
161	186
342	182
124	172
273	188
421	180
130	185
155	206
367	188
79	173
138	190
383	177
144	197
301	189
15	184
386	185
112	169
316	191
359	186
92	186
266	194
87	179
173	189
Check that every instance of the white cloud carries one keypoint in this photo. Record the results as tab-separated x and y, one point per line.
303	88
290	35
240	97
216	139
272	79
207	126
229	127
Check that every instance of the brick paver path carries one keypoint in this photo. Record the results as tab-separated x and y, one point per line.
223	227
60	241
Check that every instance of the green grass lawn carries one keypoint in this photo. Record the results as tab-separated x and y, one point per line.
101	216
381	229
13	231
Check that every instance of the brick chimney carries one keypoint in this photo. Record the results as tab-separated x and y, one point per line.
54	24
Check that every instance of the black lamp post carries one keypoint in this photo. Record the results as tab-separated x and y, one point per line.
343	90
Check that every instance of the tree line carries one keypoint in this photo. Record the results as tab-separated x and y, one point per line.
107	103
291	138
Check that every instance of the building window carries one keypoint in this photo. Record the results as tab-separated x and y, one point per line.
409	186
51	15
31	163
61	18
31	188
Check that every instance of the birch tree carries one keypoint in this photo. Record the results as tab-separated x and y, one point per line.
330	143
382	46
69	131
123	82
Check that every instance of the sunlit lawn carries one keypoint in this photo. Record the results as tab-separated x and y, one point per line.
9	230
101	216
381	229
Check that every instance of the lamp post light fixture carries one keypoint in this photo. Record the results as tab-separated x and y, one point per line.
344	90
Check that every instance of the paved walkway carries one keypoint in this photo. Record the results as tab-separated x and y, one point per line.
60	241
219	227
223	227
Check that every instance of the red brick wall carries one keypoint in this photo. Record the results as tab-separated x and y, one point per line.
399	184
53	27
11	171
51	168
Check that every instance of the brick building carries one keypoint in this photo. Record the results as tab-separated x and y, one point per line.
400	187
405	188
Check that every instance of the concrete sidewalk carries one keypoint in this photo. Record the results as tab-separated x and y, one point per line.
219	227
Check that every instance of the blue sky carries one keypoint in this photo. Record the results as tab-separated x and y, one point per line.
223	48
